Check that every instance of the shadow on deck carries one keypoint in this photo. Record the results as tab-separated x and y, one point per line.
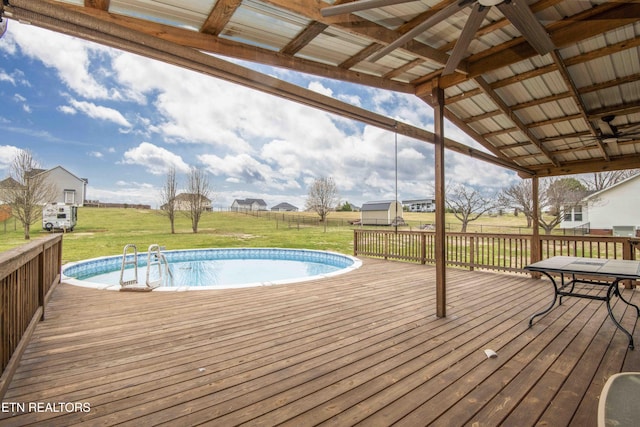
364	347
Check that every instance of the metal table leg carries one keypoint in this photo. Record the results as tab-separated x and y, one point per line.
553	303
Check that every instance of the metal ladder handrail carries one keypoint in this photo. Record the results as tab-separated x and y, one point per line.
167	269
154	251
126	262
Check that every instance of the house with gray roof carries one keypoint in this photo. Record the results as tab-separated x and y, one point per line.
248	205
284	207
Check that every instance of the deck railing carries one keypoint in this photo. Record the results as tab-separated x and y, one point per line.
504	252
27	276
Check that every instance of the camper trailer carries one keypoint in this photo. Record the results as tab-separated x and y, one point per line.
59	216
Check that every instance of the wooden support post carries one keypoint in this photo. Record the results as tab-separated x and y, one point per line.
536	252
440	243
536	247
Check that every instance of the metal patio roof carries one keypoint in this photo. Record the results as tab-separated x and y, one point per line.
572	110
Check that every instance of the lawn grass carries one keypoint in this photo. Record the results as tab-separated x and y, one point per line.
105	231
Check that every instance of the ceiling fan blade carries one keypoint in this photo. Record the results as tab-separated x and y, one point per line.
357	6
521	16
441	15
468	32
607	129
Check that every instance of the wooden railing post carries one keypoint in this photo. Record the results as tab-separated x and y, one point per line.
42	288
355	242
423	248
386	245
472	251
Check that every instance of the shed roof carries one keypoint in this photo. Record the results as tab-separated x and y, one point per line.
382	205
571	105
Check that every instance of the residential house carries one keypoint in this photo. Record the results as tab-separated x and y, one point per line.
284	207
183	202
70	189
381	213
420	205
614	210
248	205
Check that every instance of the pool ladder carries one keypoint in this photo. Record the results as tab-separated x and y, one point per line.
155	259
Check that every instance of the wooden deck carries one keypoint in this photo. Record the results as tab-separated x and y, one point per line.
361	348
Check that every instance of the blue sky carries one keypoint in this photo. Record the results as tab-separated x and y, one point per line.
121	121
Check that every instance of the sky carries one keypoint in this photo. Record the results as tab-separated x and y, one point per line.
122	121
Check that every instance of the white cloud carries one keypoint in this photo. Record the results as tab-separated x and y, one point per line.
99	112
65	109
156	160
243	168
7	154
72	62
318	87
4	77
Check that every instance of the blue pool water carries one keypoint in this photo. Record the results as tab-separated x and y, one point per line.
216	268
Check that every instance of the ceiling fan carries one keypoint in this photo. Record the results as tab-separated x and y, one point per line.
610	132
516	11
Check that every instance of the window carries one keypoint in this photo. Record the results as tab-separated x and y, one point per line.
70	196
577	213
573	213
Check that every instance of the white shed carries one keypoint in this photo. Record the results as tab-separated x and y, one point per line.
380	213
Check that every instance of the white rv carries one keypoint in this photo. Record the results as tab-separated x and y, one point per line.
59	216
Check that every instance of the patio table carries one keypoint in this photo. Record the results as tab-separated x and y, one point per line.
591	271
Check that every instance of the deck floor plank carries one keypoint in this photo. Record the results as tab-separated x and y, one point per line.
360	348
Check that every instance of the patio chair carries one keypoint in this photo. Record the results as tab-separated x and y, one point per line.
618	404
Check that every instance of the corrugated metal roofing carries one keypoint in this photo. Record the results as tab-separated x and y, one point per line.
546	114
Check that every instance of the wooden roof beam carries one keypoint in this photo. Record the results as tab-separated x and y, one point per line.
616	110
502	106
573	90
304	38
578	167
406	67
220	16
97	4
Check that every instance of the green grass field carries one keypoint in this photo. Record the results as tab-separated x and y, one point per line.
105	231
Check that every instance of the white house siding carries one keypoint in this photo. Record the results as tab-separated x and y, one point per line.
70	188
618	205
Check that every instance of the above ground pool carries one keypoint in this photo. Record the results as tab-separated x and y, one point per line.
212	268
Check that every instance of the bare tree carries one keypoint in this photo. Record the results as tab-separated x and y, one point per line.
601	180
27	190
198	196
468	204
556	196
323	197
519	197
168	195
